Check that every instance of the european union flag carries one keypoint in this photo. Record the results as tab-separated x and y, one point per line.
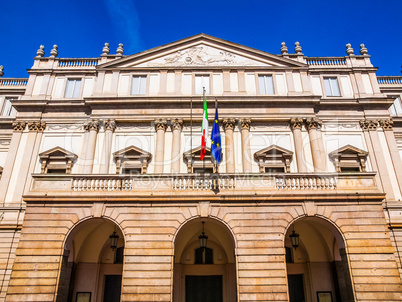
216	146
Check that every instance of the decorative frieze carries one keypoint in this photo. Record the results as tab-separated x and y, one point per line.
36	126
369	125
19	126
313	123
296	123
387	124
92	125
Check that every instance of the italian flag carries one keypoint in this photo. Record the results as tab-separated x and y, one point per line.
204	129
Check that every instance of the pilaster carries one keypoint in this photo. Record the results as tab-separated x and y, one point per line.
370	127
245	140
177	126
92	126
316	144
11	155
110	126
229	125
296	125
160	127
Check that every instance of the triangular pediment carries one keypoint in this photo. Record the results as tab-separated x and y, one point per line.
273	151
348	149
132	152
201	50
57	152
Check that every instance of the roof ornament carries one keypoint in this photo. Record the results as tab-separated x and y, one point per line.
54	52
363	50
284	49
349	49
1	71
105	49
120	50
41	51
298	48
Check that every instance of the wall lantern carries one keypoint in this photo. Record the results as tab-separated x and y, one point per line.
203	238
113	240
294	237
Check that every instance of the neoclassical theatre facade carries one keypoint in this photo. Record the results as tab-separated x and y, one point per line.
104	197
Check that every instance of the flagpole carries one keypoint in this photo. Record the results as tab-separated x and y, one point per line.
203	162
191	130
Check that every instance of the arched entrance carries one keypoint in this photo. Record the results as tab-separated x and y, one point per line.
318	268
92	265
204	274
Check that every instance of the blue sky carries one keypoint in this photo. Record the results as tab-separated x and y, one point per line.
80	28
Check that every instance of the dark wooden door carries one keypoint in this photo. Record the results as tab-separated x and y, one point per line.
296	288
112	290
204	289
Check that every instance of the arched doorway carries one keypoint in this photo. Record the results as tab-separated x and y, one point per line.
92	265
204	273
318	268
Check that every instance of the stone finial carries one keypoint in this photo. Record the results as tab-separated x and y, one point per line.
41	51
1	71
120	50
54	52
284	49
349	49
363	50
298	48
105	49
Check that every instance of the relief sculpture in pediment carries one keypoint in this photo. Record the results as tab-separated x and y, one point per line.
201	56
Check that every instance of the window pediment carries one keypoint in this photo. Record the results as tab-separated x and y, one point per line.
132	159
194	163
57	160
349	158
274	158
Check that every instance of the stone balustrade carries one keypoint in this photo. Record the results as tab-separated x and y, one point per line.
326	61
77	63
13	82
386	81
189	184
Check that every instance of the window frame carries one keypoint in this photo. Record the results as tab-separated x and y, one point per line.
207	89
11	110
78	91
324	89
139	90
271	75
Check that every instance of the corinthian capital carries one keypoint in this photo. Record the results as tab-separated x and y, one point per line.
36	126
19	126
369	124
110	125
387	124
296	123
245	123
91	125
313	123
177	124
229	123
160	124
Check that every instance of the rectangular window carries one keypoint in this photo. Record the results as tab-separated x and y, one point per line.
8	109
396	107
266	84
201	82
138	85
331	87
73	88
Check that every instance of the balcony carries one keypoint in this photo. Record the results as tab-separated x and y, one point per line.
214	186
